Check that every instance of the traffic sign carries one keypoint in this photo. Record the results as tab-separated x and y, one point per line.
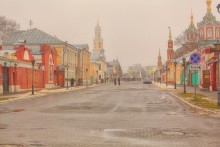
195	67
195	58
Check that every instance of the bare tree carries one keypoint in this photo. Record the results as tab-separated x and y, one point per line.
7	25
185	45
180	40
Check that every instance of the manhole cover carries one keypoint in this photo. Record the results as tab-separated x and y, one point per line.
18	110
173	133
171	113
5	110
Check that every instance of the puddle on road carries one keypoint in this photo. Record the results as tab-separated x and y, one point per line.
148	136
80	108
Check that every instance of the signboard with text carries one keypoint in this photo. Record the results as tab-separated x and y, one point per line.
195	67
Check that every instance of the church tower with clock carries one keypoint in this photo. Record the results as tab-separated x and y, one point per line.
170	51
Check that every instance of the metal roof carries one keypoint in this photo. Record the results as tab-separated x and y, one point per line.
80	46
33	36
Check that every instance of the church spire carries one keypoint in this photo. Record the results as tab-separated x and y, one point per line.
170	34
209	8
192	16
159	61
192	26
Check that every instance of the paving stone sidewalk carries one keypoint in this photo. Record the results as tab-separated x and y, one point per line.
210	96
213	95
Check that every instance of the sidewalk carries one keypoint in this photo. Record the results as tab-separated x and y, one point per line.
209	96
190	89
39	93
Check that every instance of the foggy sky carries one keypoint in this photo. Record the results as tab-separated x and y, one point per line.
133	30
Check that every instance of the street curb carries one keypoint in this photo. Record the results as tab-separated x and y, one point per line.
194	107
41	94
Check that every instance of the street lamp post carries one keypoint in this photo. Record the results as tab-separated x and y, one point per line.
67	84
160	75
66	67
86	77
15	77
166	75
217	49
184	74
33	62
175	63
218	80
218	8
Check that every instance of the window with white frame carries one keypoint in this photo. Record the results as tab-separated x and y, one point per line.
217	33
209	33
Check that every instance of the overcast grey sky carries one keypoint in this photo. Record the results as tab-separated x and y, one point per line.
133	30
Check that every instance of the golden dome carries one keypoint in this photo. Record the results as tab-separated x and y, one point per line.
209	2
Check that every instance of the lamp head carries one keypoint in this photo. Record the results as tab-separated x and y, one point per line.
218	8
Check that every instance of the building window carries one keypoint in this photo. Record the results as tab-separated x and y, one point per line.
217	33
209	33
26	55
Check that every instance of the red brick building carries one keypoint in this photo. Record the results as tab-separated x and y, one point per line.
17	72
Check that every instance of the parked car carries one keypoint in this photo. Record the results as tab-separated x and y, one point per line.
147	81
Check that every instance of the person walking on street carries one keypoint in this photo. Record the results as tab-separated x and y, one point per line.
119	81
115	81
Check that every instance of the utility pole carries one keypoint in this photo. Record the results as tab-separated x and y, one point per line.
184	75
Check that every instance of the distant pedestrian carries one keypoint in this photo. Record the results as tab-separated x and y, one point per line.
72	82
115	81
119	82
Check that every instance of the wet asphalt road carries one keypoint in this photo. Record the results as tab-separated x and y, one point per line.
132	115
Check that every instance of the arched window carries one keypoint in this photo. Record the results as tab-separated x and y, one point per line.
217	33
26	55
209	33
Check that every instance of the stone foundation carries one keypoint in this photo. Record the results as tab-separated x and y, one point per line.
47	86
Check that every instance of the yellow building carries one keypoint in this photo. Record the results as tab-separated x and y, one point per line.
83	63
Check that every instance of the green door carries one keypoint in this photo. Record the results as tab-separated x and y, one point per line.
195	78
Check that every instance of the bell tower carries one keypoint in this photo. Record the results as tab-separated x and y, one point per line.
170	51
98	52
98	41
